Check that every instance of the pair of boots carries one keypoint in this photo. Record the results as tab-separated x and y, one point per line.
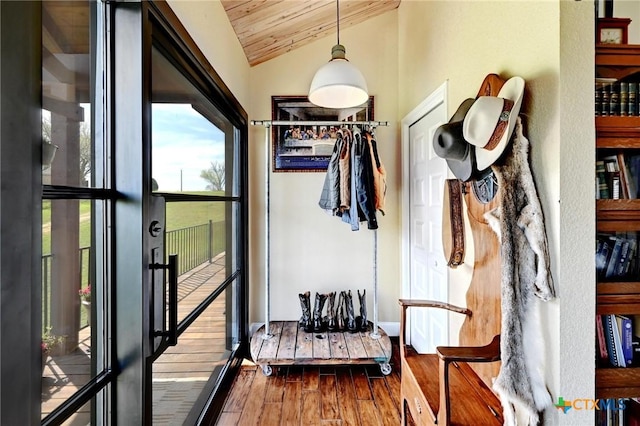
305	320
353	324
335	319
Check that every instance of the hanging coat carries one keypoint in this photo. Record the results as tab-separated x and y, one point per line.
365	192
330	196
379	174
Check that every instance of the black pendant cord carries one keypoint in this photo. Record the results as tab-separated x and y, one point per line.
338	21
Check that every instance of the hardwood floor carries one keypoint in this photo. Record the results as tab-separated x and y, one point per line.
312	395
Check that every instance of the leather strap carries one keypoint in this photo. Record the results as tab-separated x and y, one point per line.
501	126
453	223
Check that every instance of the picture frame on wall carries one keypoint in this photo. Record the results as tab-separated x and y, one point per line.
307	147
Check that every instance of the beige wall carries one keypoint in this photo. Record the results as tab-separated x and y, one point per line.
208	25
309	249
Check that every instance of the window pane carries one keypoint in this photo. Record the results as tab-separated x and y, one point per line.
66	119
81	417
194	146
68	295
186	372
202	234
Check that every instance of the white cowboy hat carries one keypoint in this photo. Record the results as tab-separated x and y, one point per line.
490	122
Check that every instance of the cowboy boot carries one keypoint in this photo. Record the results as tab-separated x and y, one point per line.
362	323
305	319
331	315
317	312
351	320
340	312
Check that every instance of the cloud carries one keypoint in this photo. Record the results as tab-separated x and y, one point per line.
183	144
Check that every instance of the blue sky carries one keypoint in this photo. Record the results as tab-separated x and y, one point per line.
183	140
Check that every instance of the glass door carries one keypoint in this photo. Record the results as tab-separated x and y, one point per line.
196	218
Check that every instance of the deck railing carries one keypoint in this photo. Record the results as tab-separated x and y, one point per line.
195	245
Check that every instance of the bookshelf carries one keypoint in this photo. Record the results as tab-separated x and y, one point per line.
618	143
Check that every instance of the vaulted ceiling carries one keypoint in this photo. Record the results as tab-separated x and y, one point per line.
269	28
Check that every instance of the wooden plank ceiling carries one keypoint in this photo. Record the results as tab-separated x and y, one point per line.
269	28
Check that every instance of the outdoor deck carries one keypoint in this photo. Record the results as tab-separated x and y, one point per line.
179	375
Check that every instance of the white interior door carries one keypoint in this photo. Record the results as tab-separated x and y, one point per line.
427	266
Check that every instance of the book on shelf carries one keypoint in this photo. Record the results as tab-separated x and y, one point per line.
616	98
626	338
612	169
598	99
624	178
632	258
602	343
604	103
617	342
622	262
614	260
609	334
602	191
603	254
622	412
635	339
614	342
624	98
618	176
633	167
616	256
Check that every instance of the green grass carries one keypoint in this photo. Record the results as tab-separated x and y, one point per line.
178	215
185	214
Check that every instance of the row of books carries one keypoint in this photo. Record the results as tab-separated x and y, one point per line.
617	343
617	256
617	98
618	176
625	412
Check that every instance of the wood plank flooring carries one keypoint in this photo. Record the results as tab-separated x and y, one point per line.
315	395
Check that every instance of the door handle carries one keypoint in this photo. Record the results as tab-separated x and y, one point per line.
172	267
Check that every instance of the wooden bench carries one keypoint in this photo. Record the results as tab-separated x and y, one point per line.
453	385
442	388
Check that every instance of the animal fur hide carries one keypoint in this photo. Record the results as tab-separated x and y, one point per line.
519	223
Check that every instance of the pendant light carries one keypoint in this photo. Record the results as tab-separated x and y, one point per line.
338	83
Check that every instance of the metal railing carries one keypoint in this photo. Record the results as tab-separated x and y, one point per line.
195	245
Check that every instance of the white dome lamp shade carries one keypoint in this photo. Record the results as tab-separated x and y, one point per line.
338	83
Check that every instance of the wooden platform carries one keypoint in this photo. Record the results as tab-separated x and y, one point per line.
290	345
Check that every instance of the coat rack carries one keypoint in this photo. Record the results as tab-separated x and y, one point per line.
267	334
